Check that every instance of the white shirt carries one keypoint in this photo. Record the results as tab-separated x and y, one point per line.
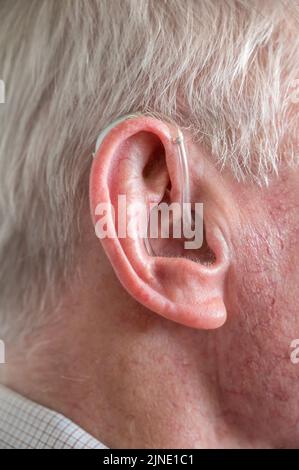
27	425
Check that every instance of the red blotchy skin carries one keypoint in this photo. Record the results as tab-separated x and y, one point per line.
259	384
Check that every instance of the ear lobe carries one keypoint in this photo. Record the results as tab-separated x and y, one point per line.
137	159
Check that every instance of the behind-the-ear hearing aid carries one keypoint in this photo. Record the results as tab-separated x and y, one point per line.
180	153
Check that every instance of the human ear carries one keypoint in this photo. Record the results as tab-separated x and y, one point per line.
136	159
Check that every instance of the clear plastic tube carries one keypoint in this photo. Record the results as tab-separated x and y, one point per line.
184	182
184	178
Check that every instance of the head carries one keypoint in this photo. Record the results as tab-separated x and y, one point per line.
181	349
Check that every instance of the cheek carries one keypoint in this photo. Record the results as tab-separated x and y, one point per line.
263	319
264	277
263	285
259	300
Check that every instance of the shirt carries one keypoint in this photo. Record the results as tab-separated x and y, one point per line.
27	425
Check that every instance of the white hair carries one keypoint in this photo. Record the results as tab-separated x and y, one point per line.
223	69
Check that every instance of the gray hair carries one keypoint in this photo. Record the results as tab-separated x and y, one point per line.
224	70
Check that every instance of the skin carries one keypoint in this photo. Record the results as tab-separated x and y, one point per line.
134	371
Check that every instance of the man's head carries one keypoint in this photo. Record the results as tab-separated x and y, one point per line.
182	350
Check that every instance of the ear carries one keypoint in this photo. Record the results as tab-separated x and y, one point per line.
137	160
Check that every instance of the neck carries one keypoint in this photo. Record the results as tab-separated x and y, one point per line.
128	391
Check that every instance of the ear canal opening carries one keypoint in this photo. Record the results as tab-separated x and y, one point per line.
169	186
205	254
174	248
